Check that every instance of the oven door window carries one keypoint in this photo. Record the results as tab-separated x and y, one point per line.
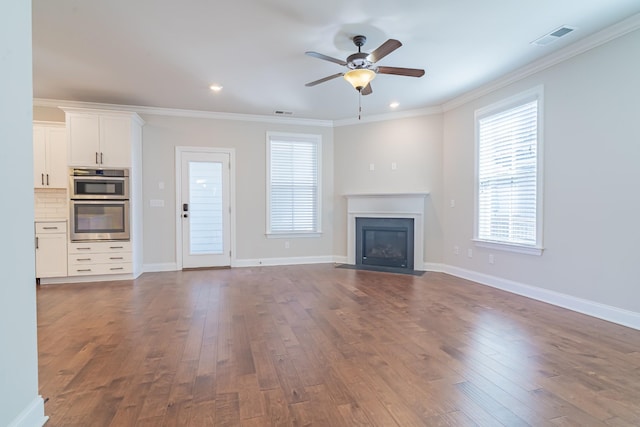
92	187
99	218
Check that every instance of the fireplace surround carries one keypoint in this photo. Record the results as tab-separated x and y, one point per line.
390	206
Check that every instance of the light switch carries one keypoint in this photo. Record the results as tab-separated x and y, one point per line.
394	166
161	185
372	166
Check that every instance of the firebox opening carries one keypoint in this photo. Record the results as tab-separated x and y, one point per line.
385	242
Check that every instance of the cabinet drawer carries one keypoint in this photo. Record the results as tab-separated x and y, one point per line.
97	269
99	247
51	227
100	258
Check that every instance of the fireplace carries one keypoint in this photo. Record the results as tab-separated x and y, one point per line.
388	206
385	242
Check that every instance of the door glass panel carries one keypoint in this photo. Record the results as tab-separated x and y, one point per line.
205	209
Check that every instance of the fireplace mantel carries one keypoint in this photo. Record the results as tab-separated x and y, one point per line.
387	205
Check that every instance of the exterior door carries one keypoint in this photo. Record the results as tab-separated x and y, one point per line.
205	209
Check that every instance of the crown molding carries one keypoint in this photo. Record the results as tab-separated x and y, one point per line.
613	32
175	112
389	116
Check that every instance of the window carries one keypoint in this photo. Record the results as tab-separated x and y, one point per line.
508	191
293	184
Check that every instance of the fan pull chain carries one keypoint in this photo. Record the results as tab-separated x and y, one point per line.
359	105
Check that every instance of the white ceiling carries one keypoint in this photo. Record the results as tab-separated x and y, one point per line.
166	53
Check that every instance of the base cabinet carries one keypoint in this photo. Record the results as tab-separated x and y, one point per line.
98	258
51	249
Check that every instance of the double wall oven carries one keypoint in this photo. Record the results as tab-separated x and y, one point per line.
99	205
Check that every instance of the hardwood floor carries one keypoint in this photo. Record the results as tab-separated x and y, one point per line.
316	345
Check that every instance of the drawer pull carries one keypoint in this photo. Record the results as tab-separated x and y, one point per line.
84	270
84	249
49	228
116	247
116	268
83	259
116	257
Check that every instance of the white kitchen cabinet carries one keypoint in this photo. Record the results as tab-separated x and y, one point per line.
101	138
49	155
51	249
98	258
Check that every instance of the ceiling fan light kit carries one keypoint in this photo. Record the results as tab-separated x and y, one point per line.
360	77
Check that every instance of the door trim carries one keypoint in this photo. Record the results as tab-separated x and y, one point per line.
232	197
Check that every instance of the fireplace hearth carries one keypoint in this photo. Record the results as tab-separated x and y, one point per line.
385	242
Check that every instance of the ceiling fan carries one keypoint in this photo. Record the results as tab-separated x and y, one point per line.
361	65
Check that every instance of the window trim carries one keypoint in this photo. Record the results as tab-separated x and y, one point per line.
535	93
317	139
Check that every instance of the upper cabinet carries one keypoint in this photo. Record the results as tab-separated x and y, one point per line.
101	138
49	155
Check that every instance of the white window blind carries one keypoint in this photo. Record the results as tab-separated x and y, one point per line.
293	199
507	199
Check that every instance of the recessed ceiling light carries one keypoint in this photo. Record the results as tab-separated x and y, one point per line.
394	104
215	88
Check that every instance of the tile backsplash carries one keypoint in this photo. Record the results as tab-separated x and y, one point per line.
51	203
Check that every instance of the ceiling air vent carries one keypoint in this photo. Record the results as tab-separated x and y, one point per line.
553	36
282	113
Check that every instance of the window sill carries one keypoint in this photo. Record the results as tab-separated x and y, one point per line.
294	235
509	247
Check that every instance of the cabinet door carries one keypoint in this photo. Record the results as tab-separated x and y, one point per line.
39	157
115	141
51	255
84	139
57	158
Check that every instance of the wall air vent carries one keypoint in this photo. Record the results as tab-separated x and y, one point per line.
553	36
283	113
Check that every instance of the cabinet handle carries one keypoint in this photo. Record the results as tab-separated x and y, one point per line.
49	228
83	259
47	179
83	270
116	257
83	249
116	268
116	247
42	178
37	242
101	158
97	158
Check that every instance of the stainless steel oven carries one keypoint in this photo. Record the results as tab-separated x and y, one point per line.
99	205
99	220
93	184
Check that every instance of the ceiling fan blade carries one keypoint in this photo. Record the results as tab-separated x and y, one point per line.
317	82
384	49
411	72
326	58
367	90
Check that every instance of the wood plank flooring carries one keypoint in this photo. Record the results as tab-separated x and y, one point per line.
321	346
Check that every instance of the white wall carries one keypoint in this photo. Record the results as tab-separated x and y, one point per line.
415	145
161	134
591	171
20	404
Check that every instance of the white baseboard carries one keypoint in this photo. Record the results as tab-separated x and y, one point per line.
283	261
85	279
590	308
32	415
339	259
155	268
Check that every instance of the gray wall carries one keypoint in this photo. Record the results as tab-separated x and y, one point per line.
415	146
591	171
19	401
161	134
